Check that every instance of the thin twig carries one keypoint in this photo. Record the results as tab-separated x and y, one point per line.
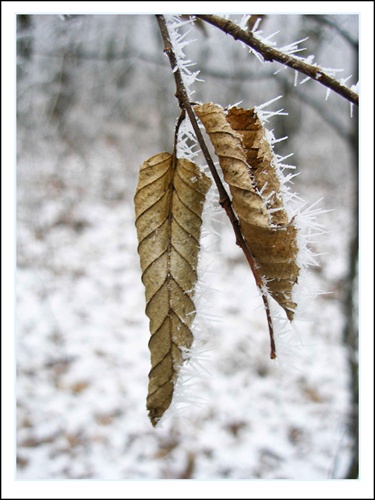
271	54
224	199
181	118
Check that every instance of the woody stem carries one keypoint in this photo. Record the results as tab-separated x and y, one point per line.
224	200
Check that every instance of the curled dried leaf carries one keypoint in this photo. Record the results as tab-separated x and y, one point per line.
245	156
168	204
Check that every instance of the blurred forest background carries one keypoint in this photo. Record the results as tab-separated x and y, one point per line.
95	99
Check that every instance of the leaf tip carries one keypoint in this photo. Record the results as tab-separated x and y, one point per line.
154	419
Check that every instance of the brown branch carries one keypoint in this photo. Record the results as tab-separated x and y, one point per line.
272	54
224	199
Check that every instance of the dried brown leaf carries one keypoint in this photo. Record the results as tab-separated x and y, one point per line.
245	156
168	203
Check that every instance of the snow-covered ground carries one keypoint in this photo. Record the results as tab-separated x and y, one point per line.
83	361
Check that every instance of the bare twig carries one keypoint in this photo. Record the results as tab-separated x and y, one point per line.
272	54
224	199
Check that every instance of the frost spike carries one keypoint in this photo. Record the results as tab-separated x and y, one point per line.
168	204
